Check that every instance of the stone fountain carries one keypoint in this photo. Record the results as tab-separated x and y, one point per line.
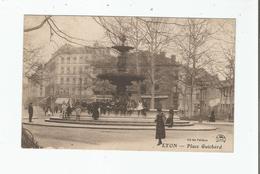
121	79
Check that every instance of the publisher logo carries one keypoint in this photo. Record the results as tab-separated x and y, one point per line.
220	138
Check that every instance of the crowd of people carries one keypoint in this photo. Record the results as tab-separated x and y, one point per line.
115	107
118	108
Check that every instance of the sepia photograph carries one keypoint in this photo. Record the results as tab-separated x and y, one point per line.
134	83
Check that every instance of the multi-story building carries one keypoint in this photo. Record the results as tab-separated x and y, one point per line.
226	106
71	72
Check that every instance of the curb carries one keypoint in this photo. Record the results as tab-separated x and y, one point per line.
118	128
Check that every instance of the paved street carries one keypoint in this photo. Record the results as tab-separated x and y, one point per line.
79	138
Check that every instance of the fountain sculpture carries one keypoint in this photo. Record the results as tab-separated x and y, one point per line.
121	79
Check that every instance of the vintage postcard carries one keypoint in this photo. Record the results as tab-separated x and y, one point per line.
128	83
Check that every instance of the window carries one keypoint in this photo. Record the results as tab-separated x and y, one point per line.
61	80
62	59
197	96
86	81
62	70
74	70
68	60
74	80
75	59
68	80
68	70
80	69
80	60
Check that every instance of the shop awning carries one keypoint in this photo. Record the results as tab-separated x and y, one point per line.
61	100
43	100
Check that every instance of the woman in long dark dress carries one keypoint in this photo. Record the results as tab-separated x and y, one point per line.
160	128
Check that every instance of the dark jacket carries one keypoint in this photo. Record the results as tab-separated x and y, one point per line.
160	129
69	110
212	116
30	109
95	112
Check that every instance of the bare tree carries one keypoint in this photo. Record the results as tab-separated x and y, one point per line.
227	45
196	47
152	34
32	63
157	37
38	26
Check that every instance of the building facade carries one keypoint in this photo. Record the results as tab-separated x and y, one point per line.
226	106
71	71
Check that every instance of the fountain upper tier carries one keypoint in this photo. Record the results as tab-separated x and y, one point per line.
123	48
121	79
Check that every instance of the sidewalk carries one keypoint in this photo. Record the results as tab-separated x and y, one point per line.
42	122
215	123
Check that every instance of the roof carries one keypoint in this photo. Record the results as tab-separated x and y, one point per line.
69	49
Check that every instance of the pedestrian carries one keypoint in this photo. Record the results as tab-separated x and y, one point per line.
95	111
78	111
64	109
169	120
56	109
68	111
129	108
30	111
160	129
144	109
49	112
44	110
139	107
212	116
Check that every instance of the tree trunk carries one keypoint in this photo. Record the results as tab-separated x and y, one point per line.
153	82
191	97
138	73
184	101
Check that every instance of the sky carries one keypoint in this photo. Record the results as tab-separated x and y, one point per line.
85	27
76	26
